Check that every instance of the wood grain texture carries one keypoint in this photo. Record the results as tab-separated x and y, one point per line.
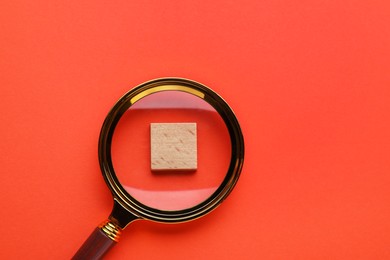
173	146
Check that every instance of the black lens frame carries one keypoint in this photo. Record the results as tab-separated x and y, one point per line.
122	197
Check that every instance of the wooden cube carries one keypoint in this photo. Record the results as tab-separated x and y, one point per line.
173	146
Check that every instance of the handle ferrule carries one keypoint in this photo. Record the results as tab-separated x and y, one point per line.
99	242
111	230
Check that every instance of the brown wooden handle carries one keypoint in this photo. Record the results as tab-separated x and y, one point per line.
95	246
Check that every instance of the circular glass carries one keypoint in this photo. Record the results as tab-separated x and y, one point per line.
171	150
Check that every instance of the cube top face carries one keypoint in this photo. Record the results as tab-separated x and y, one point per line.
173	146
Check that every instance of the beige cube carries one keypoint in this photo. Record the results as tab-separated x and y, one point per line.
173	146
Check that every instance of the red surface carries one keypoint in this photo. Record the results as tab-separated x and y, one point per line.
308	80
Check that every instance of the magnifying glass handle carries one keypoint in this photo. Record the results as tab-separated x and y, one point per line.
99	242
106	235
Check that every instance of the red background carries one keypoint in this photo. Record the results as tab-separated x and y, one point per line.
308	80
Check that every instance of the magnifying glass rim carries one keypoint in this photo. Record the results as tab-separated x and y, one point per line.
131	97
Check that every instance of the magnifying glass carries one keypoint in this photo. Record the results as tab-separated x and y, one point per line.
170	151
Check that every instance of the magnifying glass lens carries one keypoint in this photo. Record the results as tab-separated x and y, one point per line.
171	150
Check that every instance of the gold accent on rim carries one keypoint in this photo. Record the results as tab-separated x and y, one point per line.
111	230
165	88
